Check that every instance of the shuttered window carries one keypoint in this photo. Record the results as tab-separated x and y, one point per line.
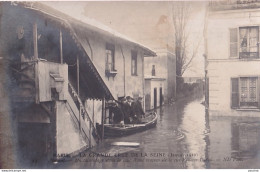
234	93
233	42
248	42
245	92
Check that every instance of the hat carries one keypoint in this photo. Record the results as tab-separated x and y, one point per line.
128	97
140	98
121	98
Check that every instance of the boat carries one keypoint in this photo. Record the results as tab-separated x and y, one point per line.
120	130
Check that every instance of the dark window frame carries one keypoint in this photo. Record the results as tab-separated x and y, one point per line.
110	47
153	70
245	43
134	63
236	92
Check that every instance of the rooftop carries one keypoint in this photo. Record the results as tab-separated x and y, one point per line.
222	5
90	24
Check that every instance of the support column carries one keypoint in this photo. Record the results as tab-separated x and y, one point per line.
35	41
61	53
35	46
103	118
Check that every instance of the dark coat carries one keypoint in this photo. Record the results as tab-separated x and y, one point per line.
138	109
118	114
128	110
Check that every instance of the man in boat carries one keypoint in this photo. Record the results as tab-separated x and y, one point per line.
138	110
117	111
128	110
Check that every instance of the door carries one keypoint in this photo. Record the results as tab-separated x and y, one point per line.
161	97
155	98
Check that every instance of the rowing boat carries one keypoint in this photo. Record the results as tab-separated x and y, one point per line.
119	130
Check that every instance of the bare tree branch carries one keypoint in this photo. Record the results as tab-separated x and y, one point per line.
181	16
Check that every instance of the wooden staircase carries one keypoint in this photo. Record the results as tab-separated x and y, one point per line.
86	126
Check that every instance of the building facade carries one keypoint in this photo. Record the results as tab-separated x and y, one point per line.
160	79
59	74
233	57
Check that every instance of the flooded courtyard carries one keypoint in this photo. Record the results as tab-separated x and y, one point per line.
185	137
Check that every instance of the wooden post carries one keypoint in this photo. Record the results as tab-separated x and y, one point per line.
54	124
103	118
61	54
93	116
90	131
79	119
35	41
35	46
78	74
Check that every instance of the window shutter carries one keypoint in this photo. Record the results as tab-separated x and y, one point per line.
233	42
234	93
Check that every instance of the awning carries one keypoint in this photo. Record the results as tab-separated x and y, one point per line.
91	84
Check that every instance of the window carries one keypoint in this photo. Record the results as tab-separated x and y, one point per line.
248	41
245	92
134	63
110	57
153	70
245	41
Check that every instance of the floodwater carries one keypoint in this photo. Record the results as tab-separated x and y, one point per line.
185	137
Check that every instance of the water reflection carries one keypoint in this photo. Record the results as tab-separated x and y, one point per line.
245	140
193	126
186	136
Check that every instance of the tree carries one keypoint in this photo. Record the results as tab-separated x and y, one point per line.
184	52
181	16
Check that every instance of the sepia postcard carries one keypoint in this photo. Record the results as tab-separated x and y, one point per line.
130	84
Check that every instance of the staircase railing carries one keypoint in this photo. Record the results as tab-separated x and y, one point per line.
84	129
81	107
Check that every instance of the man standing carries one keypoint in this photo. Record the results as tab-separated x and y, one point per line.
128	110
139	112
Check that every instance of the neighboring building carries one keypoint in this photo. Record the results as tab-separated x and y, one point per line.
160	79
156	31
233	57
60	72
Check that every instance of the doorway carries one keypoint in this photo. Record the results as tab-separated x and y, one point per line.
161	97
155	98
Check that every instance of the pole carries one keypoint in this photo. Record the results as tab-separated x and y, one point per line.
61	54
35	48
35	41
78	74
103	117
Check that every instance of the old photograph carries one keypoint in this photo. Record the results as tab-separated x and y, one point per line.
130	84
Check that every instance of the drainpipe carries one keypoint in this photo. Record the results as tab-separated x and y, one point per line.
143	80
206	56
124	66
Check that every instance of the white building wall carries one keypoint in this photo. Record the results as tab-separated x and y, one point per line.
219	24
156	84
220	74
221	67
